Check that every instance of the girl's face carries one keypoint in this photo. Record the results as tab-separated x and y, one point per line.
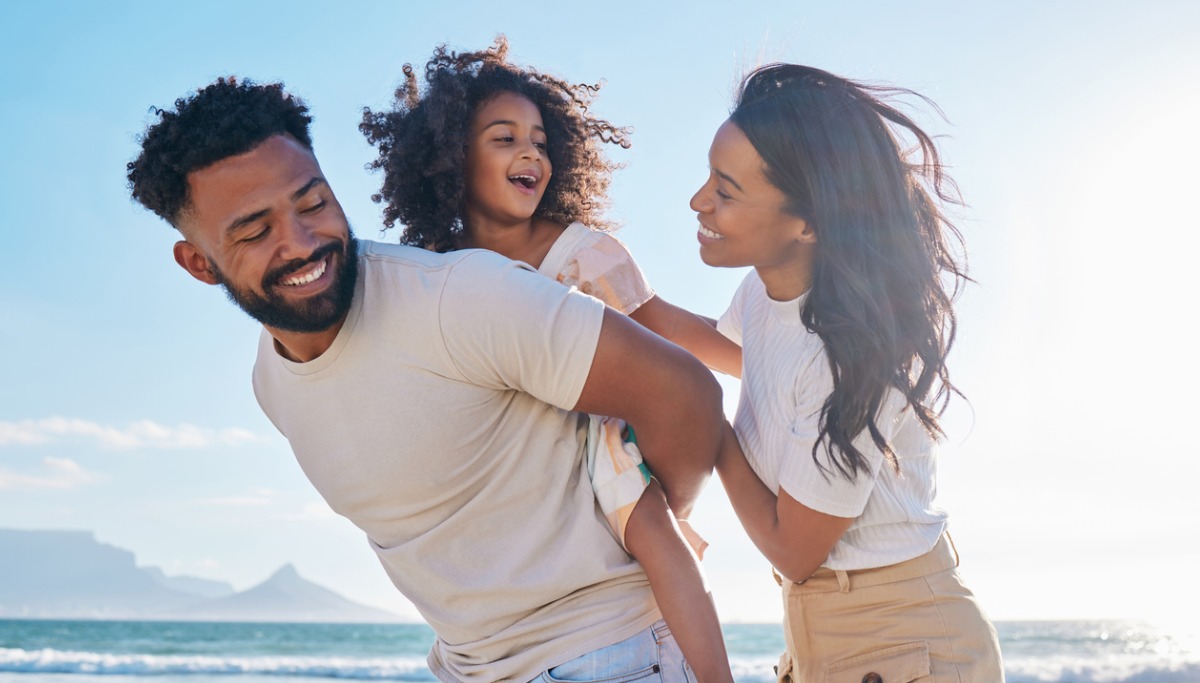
743	222
507	167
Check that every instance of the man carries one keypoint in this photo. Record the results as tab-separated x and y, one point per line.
425	396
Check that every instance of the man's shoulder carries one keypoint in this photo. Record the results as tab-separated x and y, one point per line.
390	255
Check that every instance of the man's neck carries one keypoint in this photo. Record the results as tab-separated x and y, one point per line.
302	347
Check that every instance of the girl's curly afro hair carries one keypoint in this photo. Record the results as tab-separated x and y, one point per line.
422	144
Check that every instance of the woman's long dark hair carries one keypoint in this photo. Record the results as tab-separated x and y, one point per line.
887	263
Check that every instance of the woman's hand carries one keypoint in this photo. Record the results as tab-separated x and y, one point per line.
794	538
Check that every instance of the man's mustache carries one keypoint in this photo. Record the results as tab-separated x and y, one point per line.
275	276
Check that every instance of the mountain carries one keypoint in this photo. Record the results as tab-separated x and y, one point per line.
286	596
69	575
50	574
205	588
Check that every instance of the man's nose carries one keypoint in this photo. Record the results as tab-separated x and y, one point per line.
298	239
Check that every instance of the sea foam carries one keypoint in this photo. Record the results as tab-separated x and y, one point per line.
68	662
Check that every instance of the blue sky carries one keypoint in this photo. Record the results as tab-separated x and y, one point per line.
126	406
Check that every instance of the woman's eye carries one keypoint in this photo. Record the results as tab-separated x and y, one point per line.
722	195
314	208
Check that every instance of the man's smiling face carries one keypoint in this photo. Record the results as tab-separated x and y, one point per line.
267	227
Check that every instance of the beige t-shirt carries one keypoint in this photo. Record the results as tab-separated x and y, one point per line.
431	424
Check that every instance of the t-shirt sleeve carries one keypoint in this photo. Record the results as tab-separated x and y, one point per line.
826	490
730	322
605	269
506	326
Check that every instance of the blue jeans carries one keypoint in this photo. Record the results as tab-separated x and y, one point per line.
650	656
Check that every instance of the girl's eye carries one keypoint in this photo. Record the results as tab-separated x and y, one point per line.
504	138
540	145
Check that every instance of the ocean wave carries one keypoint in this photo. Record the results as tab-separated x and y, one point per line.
94	663
1123	669
48	661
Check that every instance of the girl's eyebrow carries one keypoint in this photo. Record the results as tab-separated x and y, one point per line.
506	122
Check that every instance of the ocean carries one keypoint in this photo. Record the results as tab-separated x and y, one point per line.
35	651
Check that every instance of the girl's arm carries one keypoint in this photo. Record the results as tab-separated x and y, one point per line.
793	537
654	539
695	333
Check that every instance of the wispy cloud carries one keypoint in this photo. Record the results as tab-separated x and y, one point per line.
311	512
140	434
56	473
252	498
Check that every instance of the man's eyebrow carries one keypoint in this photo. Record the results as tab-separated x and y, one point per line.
313	182
251	217
245	220
729	179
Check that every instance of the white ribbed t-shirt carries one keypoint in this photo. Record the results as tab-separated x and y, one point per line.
785	381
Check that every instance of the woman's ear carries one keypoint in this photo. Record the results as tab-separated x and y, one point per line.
803	231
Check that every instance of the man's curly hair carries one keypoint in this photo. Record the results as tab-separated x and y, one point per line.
224	119
422	144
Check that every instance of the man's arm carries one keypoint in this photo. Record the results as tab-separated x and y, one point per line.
672	401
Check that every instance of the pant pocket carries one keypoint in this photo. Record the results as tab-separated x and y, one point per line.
563	674
896	664
783	670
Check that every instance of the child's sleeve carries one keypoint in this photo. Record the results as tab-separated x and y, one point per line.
605	269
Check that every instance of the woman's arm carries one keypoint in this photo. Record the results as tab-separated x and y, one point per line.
793	537
695	333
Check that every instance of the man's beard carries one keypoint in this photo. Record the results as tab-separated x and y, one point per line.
314	314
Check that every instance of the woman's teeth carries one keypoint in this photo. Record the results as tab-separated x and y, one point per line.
710	234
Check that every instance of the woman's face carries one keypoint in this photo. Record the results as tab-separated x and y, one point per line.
507	168
742	217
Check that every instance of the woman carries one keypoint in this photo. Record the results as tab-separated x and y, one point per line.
845	324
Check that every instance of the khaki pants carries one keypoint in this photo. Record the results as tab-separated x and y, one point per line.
912	621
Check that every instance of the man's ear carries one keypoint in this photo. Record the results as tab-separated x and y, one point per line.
194	262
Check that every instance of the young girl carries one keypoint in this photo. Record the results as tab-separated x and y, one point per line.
499	157
845	323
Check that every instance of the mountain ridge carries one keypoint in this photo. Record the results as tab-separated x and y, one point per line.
56	574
